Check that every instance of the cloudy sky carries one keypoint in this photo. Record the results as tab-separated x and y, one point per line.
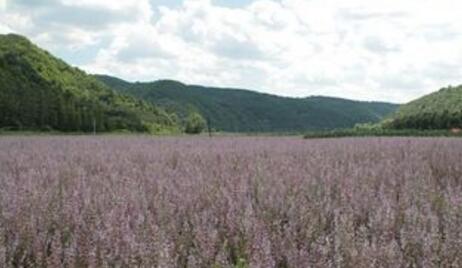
389	50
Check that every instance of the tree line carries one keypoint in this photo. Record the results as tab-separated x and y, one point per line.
426	120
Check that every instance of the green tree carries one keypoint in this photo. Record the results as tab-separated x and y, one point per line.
41	92
195	124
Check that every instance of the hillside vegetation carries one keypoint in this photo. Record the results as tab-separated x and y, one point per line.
439	110
41	92
237	110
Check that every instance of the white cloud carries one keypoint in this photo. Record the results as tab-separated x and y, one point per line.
4	29
374	50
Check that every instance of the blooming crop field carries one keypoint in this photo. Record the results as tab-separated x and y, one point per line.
230	202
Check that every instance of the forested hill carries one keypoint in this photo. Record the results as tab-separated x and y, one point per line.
247	111
439	110
41	92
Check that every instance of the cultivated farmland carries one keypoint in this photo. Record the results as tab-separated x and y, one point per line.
230	202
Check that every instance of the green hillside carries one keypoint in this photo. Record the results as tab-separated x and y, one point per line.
439	110
237	110
41	92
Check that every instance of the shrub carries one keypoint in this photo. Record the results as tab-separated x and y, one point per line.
195	124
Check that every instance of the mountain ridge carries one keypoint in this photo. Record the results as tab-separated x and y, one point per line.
41	91
243	110
103	77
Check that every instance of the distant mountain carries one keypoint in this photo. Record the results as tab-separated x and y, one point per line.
439	110
39	91
236	110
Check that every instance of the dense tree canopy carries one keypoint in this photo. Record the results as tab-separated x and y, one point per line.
40	92
195	124
439	110
246	111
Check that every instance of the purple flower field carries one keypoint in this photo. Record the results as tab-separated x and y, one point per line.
230	202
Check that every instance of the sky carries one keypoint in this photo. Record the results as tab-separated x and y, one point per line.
384	50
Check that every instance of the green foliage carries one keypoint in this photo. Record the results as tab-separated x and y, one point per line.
439	110
379	132
41	92
233	110
241	263
195	124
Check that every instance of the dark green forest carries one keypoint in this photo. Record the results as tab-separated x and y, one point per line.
41	92
235	110
439	110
